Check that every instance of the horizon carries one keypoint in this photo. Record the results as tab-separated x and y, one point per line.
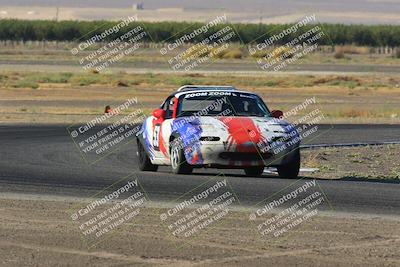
366	12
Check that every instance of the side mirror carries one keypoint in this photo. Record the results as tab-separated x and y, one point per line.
159	113
278	114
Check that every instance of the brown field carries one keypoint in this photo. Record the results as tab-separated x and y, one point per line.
380	163
49	51
58	97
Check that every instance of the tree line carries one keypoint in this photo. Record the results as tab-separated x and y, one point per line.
78	31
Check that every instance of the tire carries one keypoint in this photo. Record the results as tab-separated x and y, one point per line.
291	169
255	171
178	160
144	162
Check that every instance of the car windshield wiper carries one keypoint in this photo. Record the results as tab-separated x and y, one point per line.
250	115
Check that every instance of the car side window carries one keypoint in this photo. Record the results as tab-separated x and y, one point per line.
168	107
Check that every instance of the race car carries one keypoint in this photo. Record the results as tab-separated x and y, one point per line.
217	127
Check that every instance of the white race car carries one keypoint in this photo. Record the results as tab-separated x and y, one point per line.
218	127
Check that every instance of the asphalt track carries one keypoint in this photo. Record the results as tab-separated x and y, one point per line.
43	160
248	67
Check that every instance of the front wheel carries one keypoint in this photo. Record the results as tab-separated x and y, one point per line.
291	169
178	160
144	162
256	171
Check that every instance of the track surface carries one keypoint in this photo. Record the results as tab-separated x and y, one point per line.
246	67
43	160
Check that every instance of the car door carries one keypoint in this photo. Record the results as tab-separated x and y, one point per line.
162	129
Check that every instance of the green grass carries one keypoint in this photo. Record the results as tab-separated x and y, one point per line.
49	77
88	79
179	81
29	79
25	84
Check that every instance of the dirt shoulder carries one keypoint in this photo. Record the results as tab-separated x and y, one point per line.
380	163
41	233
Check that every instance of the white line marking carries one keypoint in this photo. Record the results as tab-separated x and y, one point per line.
273	170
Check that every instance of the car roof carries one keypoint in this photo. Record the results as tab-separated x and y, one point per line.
201	88
191	87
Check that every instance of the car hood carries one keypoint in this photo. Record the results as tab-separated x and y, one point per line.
234	124
241	133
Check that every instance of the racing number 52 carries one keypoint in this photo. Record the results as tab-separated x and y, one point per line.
156	137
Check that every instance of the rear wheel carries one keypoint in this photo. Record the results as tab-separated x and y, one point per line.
144	162
255	171
291	169
178	160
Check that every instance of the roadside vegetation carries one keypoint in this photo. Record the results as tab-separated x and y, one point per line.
338	34
344	99
124	79
349	98
380	163
238	54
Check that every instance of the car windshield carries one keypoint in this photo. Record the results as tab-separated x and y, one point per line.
222	103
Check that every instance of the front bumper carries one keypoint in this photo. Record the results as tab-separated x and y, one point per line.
217	155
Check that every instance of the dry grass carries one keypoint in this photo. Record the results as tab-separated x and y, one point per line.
366	99
170	81
312	159
349	54
219	52
374	162
234	53
339	55
275	53
397	54
352	49
354	113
